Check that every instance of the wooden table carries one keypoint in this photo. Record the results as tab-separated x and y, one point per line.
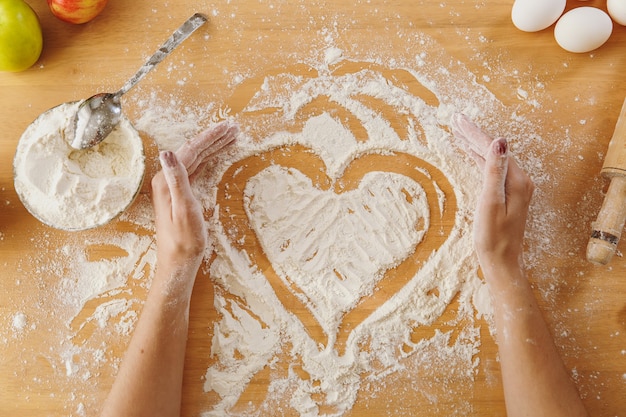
574	99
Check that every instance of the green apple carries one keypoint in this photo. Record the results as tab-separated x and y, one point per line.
21	39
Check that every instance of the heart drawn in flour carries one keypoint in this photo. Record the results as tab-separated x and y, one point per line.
335	247
358	279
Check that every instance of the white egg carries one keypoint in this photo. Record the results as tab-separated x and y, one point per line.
536	15
617	10
583	29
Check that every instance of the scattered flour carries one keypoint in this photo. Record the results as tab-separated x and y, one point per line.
331	235
328	235
19	322
171	128
332	238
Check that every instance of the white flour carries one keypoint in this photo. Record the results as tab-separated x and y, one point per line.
332	249
75	190
335	247
19	322
330	237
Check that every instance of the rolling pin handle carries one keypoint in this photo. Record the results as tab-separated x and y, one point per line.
607	229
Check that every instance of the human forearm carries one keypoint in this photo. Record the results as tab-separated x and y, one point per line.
149	382
535	381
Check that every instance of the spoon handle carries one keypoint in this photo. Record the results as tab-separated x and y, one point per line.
182	33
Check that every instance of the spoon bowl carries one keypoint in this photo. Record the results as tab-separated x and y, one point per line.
95	119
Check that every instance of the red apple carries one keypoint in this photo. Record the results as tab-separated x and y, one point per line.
76	11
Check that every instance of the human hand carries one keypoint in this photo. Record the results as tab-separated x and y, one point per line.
180	229
500	218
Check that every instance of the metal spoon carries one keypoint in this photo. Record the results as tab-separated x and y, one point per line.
98	115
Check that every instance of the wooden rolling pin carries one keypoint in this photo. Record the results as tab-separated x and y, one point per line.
607	229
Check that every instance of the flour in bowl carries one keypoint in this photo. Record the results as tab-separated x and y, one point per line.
76	189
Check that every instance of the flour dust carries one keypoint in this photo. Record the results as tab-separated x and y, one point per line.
330	239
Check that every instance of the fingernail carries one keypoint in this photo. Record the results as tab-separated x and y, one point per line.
500	147
168	159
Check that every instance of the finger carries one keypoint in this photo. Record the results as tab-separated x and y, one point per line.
516	171
470	135
204	153
188	152
519	188
208	141
177	181
199	170
479	159
495	174
161	199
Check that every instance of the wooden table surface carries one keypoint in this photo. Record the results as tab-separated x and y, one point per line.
573	100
